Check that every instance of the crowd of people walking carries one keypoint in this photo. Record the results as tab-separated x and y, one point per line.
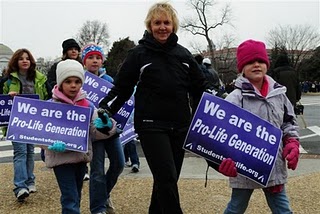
167	82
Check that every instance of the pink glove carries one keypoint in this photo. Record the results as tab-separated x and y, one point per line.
228	168
291	152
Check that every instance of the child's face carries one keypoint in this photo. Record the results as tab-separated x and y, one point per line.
71	87
93	63
255	71
24	62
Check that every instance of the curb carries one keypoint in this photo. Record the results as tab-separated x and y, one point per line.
310	156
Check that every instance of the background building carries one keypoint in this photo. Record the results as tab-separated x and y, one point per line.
5	55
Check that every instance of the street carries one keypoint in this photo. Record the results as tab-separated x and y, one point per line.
310	136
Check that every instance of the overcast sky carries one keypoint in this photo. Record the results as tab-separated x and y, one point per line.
41	26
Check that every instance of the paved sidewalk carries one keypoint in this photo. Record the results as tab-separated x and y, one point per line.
195	168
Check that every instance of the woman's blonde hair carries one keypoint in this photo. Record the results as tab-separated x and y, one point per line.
162	8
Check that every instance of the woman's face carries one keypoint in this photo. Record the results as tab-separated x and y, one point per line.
161	27
24	62
72	53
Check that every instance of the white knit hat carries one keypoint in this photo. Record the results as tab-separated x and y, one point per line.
69	68
206	61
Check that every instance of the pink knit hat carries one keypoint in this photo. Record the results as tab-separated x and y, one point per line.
249	51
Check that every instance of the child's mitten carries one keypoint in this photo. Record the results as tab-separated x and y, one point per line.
291	152
103	122
228	168
58	146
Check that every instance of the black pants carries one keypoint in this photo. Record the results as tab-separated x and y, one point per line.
164	154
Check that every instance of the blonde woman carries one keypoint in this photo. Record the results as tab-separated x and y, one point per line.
165	75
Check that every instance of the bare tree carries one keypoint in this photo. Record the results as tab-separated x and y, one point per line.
94	31
196	46
224	53
299	40
224	57
205	23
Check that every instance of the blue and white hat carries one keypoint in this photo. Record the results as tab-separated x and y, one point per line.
91	49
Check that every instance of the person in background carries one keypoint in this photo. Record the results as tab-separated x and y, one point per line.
69	166
70	50
215	77
3	73
131	156
130	151
258	93
199	59
23	78
2	80
165	75
102	181
209	76
230	86
285	75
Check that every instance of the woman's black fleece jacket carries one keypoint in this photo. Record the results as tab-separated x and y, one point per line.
166	76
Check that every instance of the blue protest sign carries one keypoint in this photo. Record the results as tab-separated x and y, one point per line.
128	133
97	88
6	104
43	122
221	130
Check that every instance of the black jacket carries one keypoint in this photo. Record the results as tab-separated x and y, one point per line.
166	76
52	73
212	76
286	76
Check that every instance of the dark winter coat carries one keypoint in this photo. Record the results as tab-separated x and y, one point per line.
166	76
52	74
212	76
286	76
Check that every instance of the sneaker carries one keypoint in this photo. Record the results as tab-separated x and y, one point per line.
32	189
135	168
110	209
86	177
127	164
22	194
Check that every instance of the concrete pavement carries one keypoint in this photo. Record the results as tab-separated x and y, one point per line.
195	168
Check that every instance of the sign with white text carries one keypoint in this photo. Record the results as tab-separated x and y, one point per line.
128	133
6	104
97	88
221	130
43	122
